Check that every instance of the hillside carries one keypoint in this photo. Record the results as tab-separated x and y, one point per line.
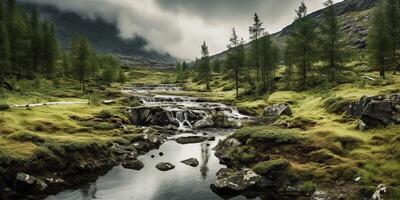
103	35
353	15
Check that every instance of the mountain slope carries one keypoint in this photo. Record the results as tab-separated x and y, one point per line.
354	17
103	36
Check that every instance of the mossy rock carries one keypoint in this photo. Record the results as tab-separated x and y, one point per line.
4	107
270	168
104	114
266	134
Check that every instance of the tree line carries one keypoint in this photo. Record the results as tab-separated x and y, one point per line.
309	52
29	48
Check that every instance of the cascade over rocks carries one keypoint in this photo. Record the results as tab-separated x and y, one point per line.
377	111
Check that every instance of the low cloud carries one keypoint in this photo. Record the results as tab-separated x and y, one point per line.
180	26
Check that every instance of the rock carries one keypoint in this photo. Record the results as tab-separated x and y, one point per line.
378	111
211	138
222	121
119	150
320	195
108	102
161	154
379	193
152	156
191	139
165	166
135	165
26	183
358	179
238	181
204	123
142	146
191	162
277	110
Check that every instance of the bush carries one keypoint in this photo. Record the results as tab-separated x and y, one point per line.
104	114
270	167
26	137
4	107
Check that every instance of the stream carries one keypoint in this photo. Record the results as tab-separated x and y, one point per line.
183	182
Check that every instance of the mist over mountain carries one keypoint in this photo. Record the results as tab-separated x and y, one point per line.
104	36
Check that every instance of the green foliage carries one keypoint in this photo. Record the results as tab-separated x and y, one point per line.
204	70
268	168
379	39
235	60
302	42
81	54
331	42
267	134
336	105
104	114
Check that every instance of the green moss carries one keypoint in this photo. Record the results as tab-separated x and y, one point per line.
337	105
267	134
26	137
269	167
309	187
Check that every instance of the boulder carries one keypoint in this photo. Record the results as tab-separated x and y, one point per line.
277	110
191	162
135	165
378	111
242	180
379	193
223	121
26	183
165	166
191	139
204	123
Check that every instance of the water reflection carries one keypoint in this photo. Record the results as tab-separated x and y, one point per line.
205	156
89	191
184	182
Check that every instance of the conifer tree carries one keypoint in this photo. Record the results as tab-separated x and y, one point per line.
332	45
392	14
302	41
379	40
4	49
36	41
256	31
236	59
80	55
205	65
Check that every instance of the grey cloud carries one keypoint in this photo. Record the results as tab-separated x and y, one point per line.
179	26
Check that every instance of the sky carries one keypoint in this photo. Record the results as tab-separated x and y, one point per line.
180	26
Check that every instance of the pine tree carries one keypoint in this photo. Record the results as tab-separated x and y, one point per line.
80	55
4	49
121	76
332	45
236	59
392	14
216	66
50	48
179	72
302	41
205	73
379	40
36	41
256	32
66	66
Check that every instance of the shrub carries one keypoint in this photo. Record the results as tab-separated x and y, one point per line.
26	137
4	107
104	114
270	167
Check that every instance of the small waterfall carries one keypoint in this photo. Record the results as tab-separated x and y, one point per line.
182	118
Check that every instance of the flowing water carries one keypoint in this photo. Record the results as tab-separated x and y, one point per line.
182	183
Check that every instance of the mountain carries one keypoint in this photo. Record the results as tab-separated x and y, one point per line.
354	18
103	36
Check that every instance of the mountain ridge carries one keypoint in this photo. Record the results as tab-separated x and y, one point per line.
355	28
104	37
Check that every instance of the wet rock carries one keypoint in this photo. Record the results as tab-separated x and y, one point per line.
108	102
211	138
378	111
26	183
277	110
165	166
152	156
191	162
222	121
54	180
238	181
161	154
135	165
379	193
204	123
119	150
142	146
191	139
